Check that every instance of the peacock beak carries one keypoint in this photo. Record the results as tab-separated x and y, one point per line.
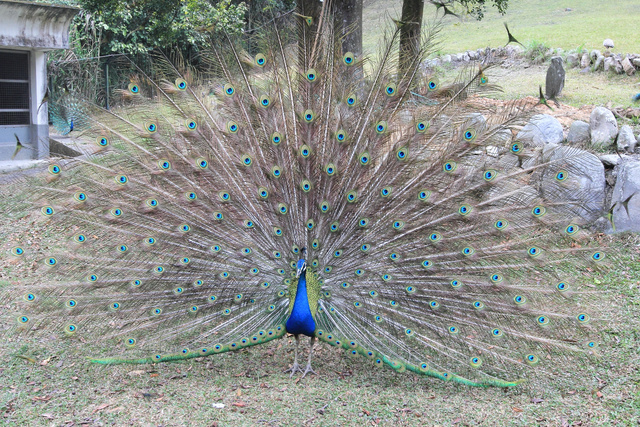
298	273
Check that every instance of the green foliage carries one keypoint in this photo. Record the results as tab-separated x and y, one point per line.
537	52
137	27
477	8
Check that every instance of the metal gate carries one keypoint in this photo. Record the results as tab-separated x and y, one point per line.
15	102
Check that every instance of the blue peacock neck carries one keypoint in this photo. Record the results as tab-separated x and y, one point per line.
300	319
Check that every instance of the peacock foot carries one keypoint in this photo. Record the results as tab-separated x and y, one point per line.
308	370
293	369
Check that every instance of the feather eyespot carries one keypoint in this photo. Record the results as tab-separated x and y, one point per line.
450	166
308	116
538	211
469	135
181	84
422	126
519	300
191	124
260	60
305	151
349	58
391	89
490	175
232	126
276	138
312	75
571	229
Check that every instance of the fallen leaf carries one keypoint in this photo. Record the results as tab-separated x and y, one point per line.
515	409
239	404
47	416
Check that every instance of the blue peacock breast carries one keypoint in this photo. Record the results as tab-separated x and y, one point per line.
301	320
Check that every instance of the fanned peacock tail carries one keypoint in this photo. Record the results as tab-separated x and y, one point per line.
435	243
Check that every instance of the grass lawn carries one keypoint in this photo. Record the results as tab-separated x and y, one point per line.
249	388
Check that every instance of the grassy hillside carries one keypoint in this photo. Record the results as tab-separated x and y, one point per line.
587	24
534	22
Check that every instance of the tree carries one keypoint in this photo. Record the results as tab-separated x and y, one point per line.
410	30
411	21
349	17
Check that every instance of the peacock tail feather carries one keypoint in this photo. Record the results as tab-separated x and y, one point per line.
435	243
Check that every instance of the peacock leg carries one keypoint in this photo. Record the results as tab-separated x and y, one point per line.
308	369
295	368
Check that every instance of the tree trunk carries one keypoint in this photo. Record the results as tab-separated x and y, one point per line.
311	8
349	17
410	33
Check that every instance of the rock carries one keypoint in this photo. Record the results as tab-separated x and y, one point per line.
579	133
492	151
555	78
466	57
594	54
603	127
608	44
585	177
628	67
542	129
472	54
572	59
611	160
636	62
559	51
599	62
627	185
585	61
446	59
608	63
626	139
617	63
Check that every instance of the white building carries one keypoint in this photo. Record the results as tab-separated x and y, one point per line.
27	31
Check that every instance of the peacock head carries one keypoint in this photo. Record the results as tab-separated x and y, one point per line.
301	266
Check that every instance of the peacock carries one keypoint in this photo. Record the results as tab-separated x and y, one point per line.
290	187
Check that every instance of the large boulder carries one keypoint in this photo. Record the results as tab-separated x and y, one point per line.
584	185
626	139
555	78
603	127
579	133
626	198
542	129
